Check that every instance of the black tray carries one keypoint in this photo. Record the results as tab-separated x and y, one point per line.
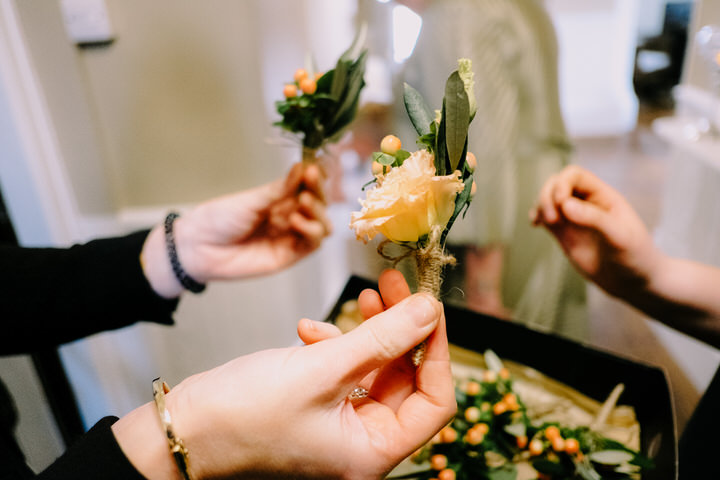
591	371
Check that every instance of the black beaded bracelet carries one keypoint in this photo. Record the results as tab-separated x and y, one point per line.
185	280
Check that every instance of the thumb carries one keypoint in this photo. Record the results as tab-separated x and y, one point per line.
385	337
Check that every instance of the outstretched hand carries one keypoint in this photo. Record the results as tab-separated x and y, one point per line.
599	231
254	232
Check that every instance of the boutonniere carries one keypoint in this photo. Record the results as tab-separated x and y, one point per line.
318	107
418	196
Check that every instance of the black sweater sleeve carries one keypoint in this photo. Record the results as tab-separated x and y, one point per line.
96	455
49	296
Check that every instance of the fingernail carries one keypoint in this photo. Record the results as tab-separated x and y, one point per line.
423	309
309	324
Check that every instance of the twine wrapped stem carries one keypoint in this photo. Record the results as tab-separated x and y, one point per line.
429	262
309	155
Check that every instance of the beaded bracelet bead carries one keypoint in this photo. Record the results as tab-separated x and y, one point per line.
181	275
177	447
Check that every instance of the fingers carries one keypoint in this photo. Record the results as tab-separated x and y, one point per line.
384	337
433	403
311	331
314	209
571	182
586	214
393	289
370	303
311	231
312	180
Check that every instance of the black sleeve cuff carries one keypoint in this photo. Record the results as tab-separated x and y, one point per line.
54	295
96	455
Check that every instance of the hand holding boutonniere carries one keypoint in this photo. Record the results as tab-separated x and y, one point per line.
418	196
318	107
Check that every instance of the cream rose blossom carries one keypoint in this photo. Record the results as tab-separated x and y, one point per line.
408	202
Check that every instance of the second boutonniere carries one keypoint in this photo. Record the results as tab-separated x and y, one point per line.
418	196
319	106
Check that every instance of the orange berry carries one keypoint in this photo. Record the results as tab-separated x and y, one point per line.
438	462
499	408
300	74
511	401
474	436
489	376
473	388
558	444
504	373
390	144
447	474
552	432
308	85
290	91
472	414
448	435
471	161
521	441
318	75
485	406
536	446
572	446
482	427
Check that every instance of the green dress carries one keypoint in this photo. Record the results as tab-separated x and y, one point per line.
519	138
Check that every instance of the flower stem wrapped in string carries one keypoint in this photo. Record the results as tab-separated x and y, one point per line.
418	196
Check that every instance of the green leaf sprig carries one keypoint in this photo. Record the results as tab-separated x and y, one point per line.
321	114
492	430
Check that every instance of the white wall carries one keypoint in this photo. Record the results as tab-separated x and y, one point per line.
596	53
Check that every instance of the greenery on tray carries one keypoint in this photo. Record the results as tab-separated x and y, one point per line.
492	432
318	107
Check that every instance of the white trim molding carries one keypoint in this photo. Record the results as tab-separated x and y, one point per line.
34	180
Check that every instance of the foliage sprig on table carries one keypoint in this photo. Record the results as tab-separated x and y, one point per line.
492	431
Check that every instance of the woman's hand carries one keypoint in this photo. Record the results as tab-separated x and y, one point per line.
599	231
254	232
286	413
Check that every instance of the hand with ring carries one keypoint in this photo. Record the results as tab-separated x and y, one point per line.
286	413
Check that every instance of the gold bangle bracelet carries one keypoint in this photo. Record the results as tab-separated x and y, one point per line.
177	447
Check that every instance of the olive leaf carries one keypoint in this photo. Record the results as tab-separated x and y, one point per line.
611	457
357	43
506	472
420	115
516	429
354	84
441	146
492	361
456	115
462	201
383	158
